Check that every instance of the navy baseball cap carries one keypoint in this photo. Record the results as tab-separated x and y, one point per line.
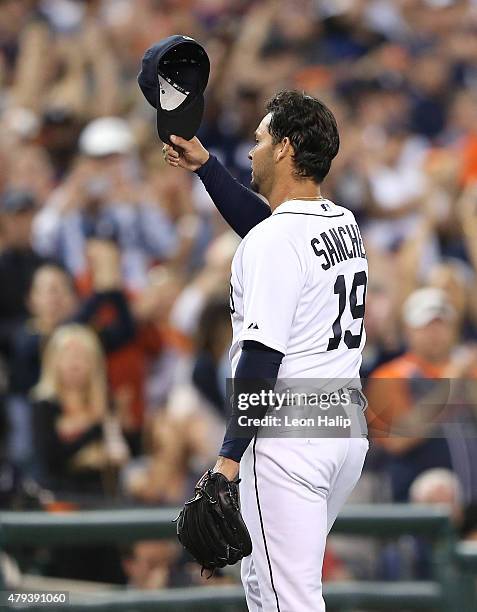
173	77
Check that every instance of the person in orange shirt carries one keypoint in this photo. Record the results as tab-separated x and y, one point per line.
409	396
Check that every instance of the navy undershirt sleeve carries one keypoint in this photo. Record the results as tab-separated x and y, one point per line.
257	369
240	207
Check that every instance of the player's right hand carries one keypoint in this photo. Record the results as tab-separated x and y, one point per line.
188	154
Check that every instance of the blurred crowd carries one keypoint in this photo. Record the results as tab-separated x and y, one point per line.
114	267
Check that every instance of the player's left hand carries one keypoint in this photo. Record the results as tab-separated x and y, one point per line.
210	525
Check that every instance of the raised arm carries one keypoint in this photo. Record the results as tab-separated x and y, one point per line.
239	206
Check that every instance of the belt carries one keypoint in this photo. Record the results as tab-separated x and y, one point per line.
353	408
356	397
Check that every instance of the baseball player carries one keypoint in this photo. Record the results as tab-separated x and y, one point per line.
297	297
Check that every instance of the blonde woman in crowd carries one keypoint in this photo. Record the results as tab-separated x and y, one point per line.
78	442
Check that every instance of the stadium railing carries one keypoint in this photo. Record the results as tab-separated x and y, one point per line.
466	556
450	589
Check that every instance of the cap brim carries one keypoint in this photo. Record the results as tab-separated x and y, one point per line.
184	123
426	316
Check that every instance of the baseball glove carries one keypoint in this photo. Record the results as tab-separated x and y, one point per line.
210	525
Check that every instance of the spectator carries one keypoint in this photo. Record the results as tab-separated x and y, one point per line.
435	486
430	96
403	411
383	338
213	340
29	170
187	431
77	439
151	564
182	443
18	262
163	345
395	210
457	280
103	197
439	486
52	300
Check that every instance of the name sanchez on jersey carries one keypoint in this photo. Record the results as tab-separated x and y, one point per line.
339	244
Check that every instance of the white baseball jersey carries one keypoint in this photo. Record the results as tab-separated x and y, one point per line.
298	286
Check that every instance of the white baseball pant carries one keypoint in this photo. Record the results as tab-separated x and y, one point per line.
291	492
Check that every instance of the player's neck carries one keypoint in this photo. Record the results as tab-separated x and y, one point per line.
298	190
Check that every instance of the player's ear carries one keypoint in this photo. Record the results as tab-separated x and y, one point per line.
283	149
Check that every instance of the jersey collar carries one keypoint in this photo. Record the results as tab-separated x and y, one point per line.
304	206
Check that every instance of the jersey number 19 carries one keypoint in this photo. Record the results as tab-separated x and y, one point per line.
357	311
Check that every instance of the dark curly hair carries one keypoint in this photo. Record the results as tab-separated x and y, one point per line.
311	128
